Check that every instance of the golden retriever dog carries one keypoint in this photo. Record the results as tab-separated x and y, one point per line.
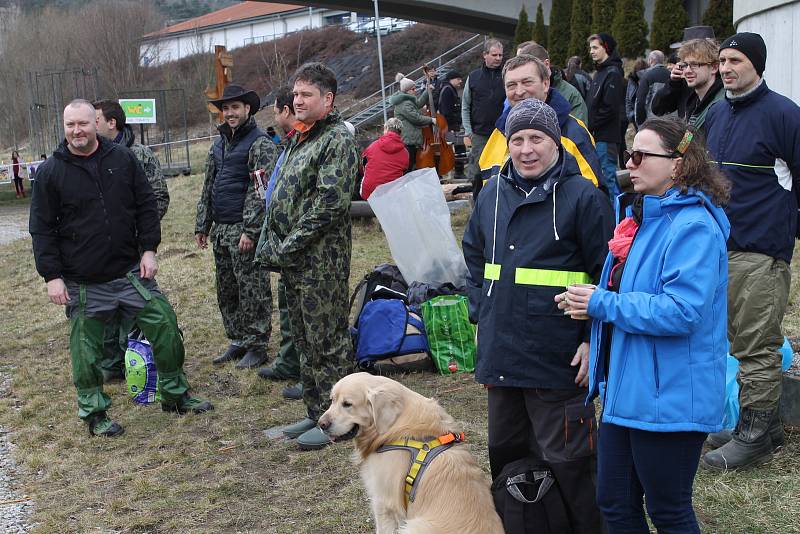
452	494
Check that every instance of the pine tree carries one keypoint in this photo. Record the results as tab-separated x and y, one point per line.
630	28
580	29
539	29
602	15
719	15
523	31
558	32
669	20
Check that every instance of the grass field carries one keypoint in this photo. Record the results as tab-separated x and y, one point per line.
218	472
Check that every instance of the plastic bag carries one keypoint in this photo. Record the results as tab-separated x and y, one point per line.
451	337
731	414
140	372
414	216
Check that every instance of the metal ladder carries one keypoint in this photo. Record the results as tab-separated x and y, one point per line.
371	107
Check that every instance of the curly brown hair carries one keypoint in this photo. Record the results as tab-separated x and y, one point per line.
695	169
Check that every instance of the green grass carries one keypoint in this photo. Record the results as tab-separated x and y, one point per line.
218	472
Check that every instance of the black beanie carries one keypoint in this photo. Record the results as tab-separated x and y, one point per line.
752	46
609	42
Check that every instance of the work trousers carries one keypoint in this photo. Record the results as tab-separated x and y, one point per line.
134	298
287	362
758	293
556	427
473	166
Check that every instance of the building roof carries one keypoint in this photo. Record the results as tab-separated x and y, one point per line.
235	13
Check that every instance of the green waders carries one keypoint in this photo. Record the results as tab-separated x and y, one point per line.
160	325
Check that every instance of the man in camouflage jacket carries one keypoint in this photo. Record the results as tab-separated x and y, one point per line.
231	211
307	236
112	124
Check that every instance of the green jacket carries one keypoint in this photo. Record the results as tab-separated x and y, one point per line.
263	155
307	231
407	109
573	96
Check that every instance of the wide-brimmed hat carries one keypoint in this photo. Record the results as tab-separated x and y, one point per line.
237	92
695	32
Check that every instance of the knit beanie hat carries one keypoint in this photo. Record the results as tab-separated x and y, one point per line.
533	114
609	43
405	83
752	46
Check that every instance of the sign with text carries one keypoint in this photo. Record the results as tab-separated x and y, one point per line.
139	110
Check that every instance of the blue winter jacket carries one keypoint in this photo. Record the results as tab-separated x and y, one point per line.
756	141
668	345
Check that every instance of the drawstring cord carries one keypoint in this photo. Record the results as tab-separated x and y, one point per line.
494	230
554	211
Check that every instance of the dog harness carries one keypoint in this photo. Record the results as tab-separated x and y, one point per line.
422	454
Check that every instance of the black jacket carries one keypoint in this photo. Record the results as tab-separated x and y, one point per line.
607	101
449	106
90	217
650	82
677	96
487	95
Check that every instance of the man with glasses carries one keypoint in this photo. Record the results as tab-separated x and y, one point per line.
694	84
754	135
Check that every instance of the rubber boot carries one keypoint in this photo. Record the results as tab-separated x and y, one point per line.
750	445
776	434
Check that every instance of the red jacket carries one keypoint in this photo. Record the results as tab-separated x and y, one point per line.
387	160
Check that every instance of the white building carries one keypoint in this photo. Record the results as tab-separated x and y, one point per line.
235	26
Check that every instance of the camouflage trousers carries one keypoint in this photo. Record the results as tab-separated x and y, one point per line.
244	295
318	314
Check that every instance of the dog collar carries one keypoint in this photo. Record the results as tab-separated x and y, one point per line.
422	454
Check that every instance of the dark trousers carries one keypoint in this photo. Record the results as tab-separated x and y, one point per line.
556	427
412	157
657	466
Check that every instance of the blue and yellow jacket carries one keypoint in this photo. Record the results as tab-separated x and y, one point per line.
755	140
521	249
575	138
666	370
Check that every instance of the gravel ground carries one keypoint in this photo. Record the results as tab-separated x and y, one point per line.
13	223
14	516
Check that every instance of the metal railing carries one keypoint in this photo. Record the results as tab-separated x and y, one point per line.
371	106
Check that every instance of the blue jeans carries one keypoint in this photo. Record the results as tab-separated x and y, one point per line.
659	466
607	152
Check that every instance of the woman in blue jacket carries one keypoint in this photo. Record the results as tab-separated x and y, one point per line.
658	340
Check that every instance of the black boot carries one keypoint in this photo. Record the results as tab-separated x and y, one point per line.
776	434
750	445
252	358
234	352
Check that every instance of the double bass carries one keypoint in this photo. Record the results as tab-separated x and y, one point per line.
435	151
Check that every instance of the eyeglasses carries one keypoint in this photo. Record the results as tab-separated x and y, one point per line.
637	155
694	65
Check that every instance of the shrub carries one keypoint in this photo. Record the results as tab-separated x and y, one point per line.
580	29
539	29
630	28
558	32
524	31
602	15
719	15
669	20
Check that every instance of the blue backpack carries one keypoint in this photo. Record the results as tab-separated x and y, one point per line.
390	337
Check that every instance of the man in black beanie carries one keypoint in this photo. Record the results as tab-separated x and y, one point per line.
754	136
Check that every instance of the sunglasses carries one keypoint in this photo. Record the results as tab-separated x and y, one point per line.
637	156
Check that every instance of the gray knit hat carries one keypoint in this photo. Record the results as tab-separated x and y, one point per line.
533	114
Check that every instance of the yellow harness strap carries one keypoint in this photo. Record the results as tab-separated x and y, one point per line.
422	453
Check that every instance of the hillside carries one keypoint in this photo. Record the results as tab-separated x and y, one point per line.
172	10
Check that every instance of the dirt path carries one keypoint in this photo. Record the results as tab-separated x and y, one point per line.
13	223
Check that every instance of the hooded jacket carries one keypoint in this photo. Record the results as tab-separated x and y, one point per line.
307	232
151	166
606	100
571	94
387	160
482	100
677	96
669	342
756	142
90	217
407	109
521	250
575	139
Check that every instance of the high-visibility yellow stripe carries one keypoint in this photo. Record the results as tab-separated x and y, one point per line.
546	277
583	125
583	165
491	271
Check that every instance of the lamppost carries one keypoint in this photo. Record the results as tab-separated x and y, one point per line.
380	58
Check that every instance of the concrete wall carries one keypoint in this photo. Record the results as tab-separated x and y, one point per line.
778	22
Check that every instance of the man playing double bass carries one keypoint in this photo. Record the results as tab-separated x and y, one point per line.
407	108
